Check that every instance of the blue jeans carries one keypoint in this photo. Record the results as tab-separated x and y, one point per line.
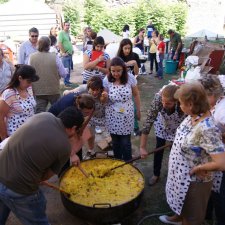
29	209
121	145
67	62
160	66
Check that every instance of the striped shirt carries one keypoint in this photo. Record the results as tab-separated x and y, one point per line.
90	73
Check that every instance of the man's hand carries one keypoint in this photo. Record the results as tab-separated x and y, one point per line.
75	160
175	56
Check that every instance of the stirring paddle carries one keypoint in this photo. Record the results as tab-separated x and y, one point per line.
55	187
137	158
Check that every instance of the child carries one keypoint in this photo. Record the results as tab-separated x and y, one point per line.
121	86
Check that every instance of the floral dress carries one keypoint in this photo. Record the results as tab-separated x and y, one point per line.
120	108
20	108
192	146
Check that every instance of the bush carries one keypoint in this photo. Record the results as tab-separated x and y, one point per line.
72	14
97	15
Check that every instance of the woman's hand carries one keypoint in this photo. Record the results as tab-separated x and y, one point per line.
131	63
199	172
104	97
143	153
100	59
75	160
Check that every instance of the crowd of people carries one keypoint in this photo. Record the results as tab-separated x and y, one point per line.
43	132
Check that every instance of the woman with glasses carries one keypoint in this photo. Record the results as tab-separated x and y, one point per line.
121	87
17	102
95	62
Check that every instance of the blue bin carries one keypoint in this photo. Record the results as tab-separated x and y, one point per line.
171	66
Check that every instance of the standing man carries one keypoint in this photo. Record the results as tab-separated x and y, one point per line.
66	50
149	29
28	47
175	44
34	153
49	68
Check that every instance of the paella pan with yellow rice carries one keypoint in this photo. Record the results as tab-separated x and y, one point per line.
104	196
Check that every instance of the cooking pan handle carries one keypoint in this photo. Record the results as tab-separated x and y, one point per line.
102	204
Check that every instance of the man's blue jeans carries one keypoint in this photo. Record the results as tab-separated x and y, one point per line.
29	209
67	62
121	145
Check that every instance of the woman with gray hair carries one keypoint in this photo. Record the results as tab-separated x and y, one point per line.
215	95
49	67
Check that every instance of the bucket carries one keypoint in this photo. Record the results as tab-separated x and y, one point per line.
171	66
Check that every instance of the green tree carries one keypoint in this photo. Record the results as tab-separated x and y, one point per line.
95	14
72	14
3	1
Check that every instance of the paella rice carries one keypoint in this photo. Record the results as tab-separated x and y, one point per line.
115	188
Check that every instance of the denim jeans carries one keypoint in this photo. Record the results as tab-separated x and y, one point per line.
67	62
29	209
121	145
160	66
158	156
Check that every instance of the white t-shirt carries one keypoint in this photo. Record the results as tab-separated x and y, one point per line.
219	114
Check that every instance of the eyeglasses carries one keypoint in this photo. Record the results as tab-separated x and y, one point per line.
34	36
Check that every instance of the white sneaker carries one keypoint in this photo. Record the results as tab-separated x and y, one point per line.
98	130
164	219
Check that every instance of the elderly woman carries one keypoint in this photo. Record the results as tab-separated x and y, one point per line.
6	71
215	95
17	102
49	68
166	115
197	152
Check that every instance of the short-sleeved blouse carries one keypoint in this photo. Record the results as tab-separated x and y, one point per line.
192	146
89	73
20	108
120	109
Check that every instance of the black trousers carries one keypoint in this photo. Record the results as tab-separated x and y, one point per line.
158	157
152	60
217	203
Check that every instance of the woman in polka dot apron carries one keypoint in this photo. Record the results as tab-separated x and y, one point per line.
166	115
17	102
197	151
120	87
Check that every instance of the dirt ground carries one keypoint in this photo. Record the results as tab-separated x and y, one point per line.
154	200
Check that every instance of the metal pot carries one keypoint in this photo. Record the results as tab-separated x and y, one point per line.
102	213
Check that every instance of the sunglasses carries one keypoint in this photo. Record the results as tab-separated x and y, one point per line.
34	36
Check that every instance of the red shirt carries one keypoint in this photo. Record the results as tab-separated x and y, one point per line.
162	46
